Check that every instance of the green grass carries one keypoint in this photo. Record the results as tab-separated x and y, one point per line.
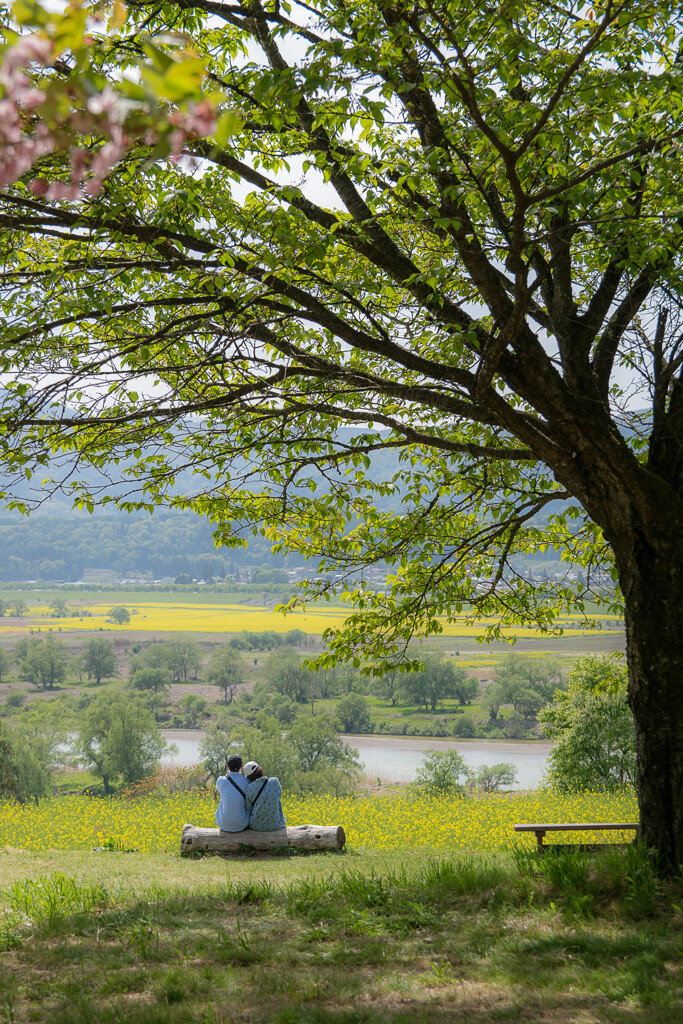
345	939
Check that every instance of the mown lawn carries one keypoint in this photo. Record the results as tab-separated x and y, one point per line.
364	938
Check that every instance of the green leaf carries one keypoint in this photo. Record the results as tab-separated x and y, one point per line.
70	30
228	125
31	14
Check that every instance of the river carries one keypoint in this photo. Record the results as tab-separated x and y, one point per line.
397	758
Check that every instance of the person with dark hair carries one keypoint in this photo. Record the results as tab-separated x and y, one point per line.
232	814
263	800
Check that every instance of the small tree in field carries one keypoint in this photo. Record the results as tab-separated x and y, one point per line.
287	675
151	680
184	658
119	739
353	713
60	608
120	614
42	661
317	746
489	778
437	681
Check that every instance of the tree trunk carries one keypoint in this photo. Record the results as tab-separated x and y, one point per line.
303	837
641	514
653	590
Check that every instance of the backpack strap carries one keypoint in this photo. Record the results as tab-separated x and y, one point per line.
256	798
240	791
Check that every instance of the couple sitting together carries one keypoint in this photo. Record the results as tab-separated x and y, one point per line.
251	800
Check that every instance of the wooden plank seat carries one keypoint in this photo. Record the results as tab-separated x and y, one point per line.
302	837
574	826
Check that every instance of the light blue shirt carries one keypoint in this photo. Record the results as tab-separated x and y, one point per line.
265	811
232	814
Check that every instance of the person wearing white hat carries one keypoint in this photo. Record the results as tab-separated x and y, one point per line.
263	800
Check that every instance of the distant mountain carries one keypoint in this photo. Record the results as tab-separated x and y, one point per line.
60	543
68	547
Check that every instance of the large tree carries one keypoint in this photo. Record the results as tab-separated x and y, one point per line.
226	671
453	227
119	739
99	659
41	660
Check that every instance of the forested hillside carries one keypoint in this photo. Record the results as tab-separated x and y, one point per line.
58	542
69	545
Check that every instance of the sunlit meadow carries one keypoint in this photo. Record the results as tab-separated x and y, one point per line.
403	822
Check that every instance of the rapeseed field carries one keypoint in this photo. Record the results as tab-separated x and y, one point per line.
168	617
401	822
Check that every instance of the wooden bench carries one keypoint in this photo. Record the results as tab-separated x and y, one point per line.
574	826
302	837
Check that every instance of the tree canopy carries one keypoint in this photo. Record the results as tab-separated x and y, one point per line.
119	739
592	729
438	680
99	659
451	231
41	660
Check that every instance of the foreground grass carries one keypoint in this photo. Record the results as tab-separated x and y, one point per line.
367	938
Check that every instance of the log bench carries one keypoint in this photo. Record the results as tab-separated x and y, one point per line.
574	826
300	837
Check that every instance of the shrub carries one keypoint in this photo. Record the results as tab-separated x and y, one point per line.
492	777
464	727
167	780
440	772
352	714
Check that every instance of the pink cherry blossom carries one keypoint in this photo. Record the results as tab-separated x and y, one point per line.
24	141
106	102
29	49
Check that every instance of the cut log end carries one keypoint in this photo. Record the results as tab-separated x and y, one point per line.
301	837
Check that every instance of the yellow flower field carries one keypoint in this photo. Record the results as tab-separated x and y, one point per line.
164	616
154	824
